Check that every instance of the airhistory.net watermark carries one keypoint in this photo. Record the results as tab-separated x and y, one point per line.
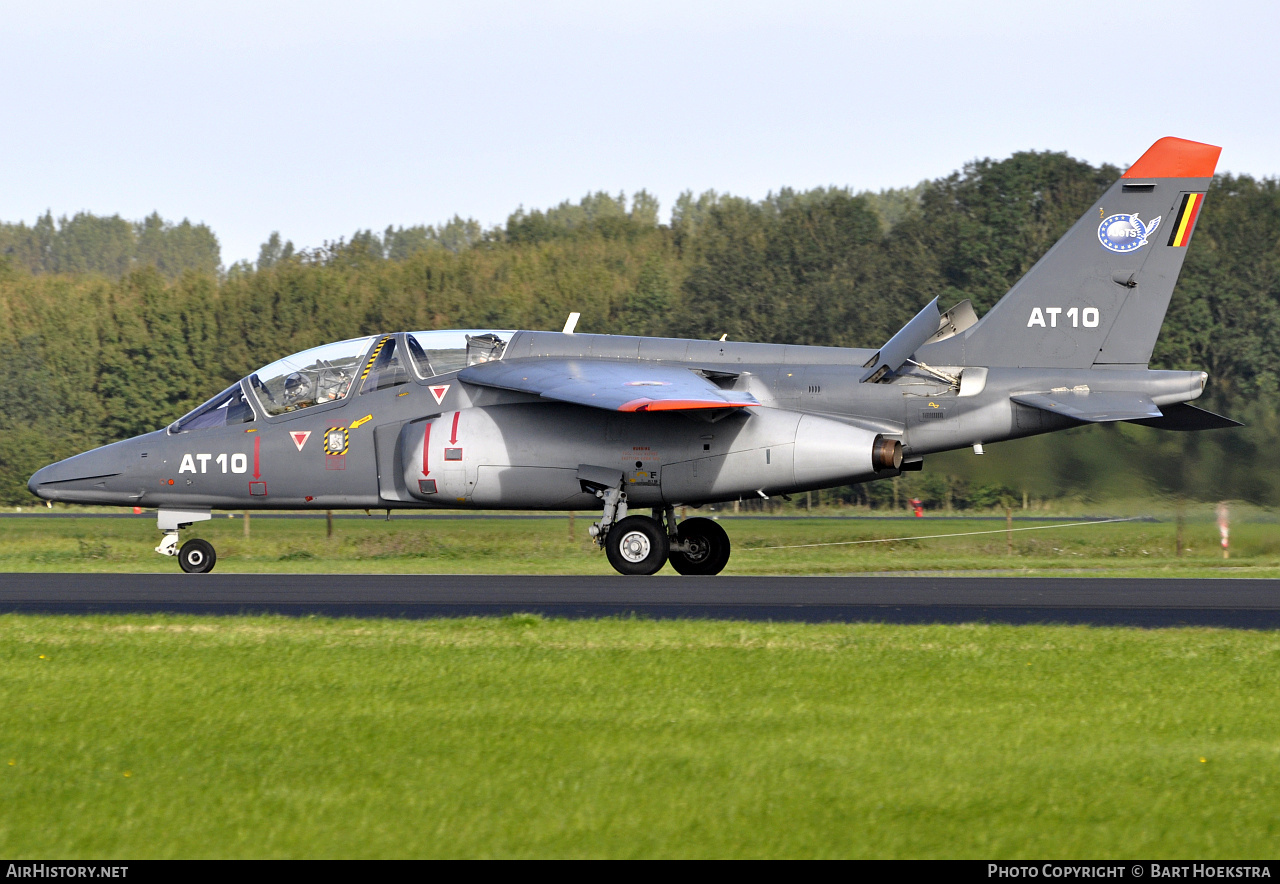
64	870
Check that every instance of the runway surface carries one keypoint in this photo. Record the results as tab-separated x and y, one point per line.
1235	603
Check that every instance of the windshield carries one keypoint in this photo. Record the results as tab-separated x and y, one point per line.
312	377
440	352
228	407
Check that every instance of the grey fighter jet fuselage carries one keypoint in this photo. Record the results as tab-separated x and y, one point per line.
541	420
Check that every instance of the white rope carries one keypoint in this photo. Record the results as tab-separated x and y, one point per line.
935	536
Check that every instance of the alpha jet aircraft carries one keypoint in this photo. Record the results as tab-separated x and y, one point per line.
561	421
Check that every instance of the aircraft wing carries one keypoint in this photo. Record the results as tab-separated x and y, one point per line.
607	383
1093	407
1187	417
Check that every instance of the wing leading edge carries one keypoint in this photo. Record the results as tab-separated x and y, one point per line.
608	384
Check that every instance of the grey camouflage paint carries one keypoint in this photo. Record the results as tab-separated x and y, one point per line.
500	438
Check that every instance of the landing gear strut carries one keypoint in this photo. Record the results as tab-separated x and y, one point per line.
196	556
634	544
642	545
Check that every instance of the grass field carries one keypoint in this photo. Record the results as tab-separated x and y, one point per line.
268	737
544	546
162	736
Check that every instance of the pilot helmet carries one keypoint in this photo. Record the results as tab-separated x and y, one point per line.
296	387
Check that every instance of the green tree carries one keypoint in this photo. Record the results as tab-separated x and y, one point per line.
273	251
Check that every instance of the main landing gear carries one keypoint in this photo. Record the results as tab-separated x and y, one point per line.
195	556
643	544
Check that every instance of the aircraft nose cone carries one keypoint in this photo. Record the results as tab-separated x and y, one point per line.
46	481
40	477
81	478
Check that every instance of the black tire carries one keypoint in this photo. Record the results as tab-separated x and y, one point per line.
197	557
709	547
637	545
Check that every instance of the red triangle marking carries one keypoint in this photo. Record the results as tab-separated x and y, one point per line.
438	392
300	437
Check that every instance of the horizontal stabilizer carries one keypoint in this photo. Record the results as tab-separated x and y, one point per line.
1187	417
607	384
1093	407
899	348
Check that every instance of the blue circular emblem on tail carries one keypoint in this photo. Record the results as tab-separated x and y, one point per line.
1125	233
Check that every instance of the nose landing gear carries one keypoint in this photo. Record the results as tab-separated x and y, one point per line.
195	556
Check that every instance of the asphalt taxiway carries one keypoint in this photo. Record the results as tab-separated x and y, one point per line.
1234	603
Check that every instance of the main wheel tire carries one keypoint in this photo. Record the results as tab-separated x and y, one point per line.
197	557
637	545
708	547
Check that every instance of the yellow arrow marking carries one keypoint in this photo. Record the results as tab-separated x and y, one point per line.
356	425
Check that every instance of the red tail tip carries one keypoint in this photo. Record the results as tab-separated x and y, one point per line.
1176	158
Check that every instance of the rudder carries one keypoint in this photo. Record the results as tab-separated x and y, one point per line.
1098	297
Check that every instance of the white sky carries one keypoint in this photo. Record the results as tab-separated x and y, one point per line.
318	118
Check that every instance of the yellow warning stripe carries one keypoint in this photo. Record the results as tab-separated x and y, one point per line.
374	355
346	441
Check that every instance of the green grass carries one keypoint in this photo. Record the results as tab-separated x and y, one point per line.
544	546
161	736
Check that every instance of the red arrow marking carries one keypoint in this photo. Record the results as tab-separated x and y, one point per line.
257	446
426	444
453	440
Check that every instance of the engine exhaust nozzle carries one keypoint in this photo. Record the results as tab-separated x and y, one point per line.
886	454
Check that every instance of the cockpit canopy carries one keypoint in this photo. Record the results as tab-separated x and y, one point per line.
227	408
329	373
321	374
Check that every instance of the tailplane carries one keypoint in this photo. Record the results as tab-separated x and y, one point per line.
1099	296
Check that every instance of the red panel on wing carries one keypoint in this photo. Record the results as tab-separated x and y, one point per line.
680	404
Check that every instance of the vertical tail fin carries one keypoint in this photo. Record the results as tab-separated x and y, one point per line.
1099	296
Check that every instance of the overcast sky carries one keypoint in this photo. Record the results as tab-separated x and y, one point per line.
318	118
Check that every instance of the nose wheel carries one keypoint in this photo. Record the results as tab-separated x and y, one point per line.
197	557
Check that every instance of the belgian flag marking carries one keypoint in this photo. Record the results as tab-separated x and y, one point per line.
1186	219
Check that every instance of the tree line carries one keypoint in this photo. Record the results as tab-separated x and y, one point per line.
101	351
111	246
